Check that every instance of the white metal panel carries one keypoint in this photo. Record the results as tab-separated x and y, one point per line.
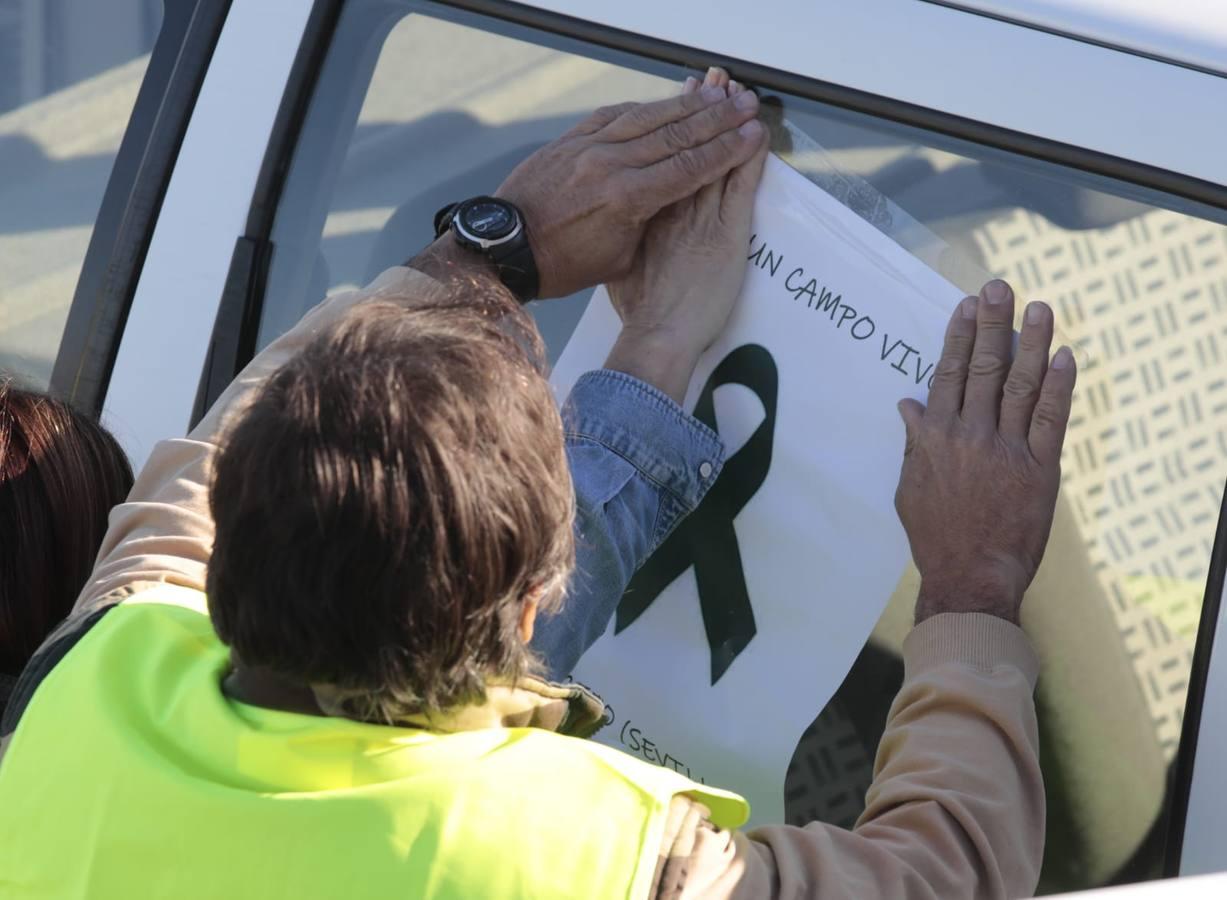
961	63
1206	823
1192	32
153	385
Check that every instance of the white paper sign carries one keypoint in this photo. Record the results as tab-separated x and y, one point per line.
797	548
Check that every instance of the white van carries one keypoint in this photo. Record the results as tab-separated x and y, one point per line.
277	150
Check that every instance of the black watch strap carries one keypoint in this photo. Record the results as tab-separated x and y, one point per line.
517	268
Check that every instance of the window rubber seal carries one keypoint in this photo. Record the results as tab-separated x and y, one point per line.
1190	729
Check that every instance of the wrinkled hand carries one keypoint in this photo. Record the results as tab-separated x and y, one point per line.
983	462
687	275
587	197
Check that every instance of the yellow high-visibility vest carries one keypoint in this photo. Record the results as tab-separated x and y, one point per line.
132	775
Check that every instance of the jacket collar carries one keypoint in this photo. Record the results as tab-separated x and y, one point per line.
567	709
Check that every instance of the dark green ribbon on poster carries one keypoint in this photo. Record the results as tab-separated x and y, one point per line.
706	539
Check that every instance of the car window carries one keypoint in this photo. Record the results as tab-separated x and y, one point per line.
1138	281
69	75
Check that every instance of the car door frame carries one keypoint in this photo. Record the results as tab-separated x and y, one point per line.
133	198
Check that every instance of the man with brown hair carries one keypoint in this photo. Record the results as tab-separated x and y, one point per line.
356	712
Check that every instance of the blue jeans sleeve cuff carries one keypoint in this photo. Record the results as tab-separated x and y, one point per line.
668	446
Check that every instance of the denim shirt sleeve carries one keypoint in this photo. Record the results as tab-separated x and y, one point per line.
640	464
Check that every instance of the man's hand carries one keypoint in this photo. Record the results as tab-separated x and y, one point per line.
983	462
683	284
587	197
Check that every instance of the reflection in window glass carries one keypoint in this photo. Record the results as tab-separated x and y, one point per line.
69	75
1138	281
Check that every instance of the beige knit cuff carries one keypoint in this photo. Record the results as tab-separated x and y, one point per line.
973	639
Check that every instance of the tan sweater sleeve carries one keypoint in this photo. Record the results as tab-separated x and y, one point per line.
163	532
956	808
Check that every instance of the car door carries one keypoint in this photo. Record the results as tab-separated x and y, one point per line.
326	134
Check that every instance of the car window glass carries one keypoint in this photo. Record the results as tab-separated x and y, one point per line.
1137	279
69	75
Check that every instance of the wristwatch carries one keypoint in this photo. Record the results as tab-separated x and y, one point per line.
496	228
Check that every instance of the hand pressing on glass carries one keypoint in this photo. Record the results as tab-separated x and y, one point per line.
588	196
982	463
686	277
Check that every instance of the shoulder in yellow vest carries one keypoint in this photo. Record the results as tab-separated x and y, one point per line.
133	775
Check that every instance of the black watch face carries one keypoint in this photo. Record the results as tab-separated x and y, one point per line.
488	220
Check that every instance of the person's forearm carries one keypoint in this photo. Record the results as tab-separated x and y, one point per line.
446	262
958	764
962	594
956	808
663	361
640	465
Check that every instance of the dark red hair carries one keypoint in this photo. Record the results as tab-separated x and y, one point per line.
60	474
